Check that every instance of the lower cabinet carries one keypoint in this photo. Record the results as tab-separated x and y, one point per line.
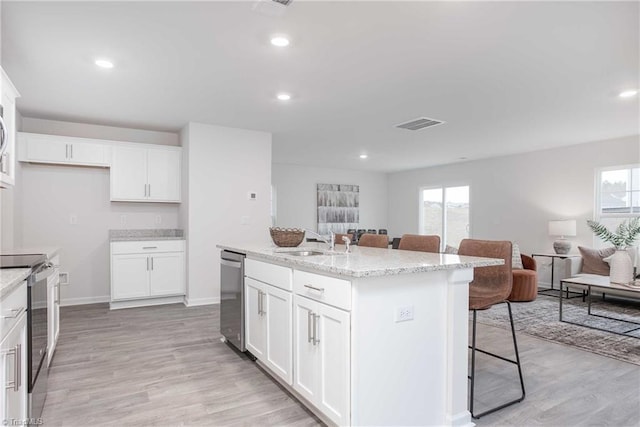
13	359
268	315
53	311
147	270
322	357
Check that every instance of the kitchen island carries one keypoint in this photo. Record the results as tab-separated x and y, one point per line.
373	337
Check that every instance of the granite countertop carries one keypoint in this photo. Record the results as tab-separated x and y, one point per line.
10	278
146	234
49	251
363	262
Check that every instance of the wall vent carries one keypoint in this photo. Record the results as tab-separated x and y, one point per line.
420	123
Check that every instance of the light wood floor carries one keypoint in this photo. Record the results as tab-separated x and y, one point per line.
166	366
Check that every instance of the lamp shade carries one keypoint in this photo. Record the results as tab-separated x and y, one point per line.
562	228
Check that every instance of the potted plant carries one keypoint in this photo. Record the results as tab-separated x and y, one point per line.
622	238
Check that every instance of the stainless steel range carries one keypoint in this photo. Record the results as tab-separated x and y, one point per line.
37	343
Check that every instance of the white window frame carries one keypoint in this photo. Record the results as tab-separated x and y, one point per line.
443	240
597	209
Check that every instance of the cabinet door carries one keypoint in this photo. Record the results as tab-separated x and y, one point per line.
128	173
279	332
52	297
306	357
167	273
334	330
163	174
87	154
130	276
46	150
12	348
255	320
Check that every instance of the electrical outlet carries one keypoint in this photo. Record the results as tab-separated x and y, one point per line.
158	219
73	219
64	278
244	220
404	313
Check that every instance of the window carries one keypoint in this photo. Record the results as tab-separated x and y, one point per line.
617	194
445	212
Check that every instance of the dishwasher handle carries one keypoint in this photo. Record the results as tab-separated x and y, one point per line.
228	263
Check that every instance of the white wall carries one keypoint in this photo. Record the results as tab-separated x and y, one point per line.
296	204
49	194
224	165
514	197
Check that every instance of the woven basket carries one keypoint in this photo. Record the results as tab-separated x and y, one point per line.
286	237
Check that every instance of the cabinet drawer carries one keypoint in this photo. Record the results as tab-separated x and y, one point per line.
275	275
147	246
13	305
336	292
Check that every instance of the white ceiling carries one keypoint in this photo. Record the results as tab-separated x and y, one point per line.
506	77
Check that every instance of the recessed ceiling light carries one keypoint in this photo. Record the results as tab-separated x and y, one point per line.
104	63
284	96
363	156
628	93
280	41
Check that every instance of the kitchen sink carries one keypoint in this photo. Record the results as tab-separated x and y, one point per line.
305	253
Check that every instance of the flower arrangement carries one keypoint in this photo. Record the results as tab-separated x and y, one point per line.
625	235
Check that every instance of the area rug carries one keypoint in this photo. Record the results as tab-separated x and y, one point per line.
539	318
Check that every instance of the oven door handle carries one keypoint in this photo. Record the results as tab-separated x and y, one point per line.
16	313
44	272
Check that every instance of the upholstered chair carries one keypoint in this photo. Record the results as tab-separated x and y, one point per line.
490	286
415	242
525	281
374	240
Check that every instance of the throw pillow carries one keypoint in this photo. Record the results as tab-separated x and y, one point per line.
516	259
593	260
450	250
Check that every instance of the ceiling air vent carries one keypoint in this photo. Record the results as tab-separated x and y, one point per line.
420	123
271	7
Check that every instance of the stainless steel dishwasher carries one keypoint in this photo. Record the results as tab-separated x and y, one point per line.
232	298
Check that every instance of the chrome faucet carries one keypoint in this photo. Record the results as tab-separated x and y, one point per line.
347	241
331	241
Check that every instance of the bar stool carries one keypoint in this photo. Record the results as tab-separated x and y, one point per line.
374	241
416	242
490	286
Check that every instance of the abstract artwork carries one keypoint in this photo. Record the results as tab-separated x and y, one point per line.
338	207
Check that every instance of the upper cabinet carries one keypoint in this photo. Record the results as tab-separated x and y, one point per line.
142	173
8	95
64	150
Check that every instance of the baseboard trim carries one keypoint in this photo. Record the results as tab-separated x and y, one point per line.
86	300
193	302
115	305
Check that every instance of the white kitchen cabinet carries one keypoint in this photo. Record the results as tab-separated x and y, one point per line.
13	356
269	316
63	150
53	304
256	322
145	174
8	95
322	357
146	271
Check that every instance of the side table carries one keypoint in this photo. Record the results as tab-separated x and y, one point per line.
554	292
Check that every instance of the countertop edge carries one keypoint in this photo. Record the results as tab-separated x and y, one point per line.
17	276
282	259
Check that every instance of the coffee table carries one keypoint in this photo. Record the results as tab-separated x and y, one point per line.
602	283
